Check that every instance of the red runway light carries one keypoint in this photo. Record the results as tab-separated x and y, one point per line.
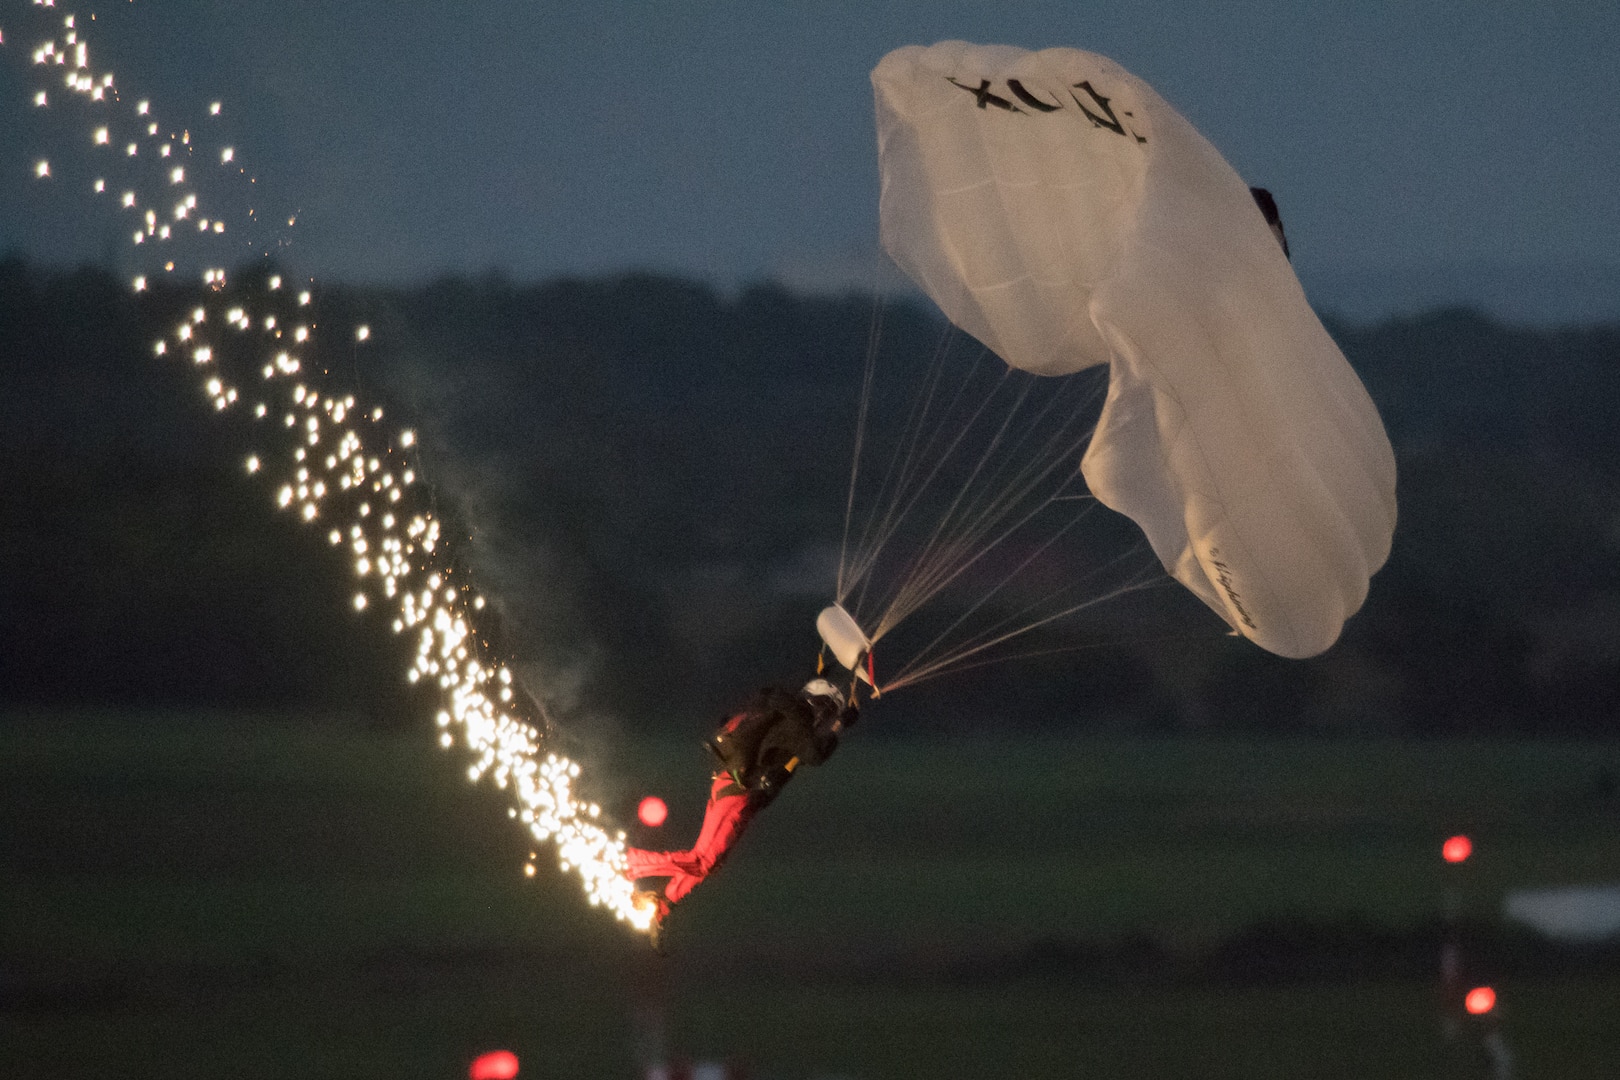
1457	849
495	1065
1480	1000
652	811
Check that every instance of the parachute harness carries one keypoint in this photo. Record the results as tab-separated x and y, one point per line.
854	675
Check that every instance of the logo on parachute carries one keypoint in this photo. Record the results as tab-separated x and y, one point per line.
1103	117
1223	578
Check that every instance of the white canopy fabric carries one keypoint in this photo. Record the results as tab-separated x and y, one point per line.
1060	211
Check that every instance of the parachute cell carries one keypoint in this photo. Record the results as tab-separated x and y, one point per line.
1060	211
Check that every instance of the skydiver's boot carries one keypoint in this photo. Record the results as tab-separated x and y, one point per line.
653	900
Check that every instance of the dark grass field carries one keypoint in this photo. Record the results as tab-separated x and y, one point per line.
203	896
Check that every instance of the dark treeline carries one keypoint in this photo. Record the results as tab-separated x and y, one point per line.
650	476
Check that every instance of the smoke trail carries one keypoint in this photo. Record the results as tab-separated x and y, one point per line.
331	458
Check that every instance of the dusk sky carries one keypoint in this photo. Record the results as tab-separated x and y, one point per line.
1418	147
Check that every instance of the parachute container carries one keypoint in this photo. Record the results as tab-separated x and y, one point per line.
844	637
1060	211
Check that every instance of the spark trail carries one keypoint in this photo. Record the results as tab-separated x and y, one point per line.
325	457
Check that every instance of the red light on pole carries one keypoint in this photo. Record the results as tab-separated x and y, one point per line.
495	1065
1480	1000
652	811
1457	849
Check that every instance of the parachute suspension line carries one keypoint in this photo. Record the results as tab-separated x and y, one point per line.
919	671
975	554
917	584
996	589
940	447
985	500
987	457
896	478
968	664
899	485
873	338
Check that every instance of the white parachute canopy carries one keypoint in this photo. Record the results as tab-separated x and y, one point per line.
1061	212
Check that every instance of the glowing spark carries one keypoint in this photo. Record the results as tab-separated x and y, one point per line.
398	554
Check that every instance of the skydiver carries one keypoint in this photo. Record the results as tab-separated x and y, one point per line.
757	748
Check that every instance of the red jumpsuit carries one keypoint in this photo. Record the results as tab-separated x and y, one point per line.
730	808
760	747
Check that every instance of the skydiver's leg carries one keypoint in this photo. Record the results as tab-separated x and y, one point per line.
725	818
723	823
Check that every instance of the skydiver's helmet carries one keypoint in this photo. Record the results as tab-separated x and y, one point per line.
822	688
829	703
